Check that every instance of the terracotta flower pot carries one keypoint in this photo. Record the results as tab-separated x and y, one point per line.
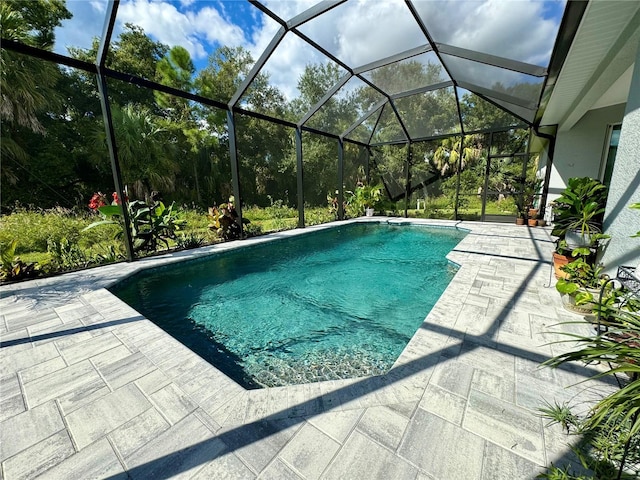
560	261
532	222
519	221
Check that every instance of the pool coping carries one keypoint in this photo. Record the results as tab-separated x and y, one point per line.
468	360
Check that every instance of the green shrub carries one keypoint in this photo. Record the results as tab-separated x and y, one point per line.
34	229
189	240
611	428
317	215
150	223
108	254
195	221
12	268
252	230
98	236
66	255
276	224
276	210
255	214
501	207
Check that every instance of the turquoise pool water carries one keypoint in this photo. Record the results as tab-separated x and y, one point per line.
340	303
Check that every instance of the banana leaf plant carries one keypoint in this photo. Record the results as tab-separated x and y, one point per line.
150	224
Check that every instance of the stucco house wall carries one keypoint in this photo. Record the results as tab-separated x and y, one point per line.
620	221
579	151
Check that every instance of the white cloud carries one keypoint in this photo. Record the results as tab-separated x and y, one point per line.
362	31
367	31
208	23
344	31
289	9
99	5
286	64
511	29
87	22
194	30
358	31
164	22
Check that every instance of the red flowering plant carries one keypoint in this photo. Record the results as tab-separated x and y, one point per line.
149	224
98	200
116	199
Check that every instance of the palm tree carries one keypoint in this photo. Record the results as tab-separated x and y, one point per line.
28	83
446	157
145	150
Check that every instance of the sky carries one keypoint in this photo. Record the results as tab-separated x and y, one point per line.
523	30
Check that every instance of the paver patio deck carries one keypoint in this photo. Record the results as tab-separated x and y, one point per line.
91	389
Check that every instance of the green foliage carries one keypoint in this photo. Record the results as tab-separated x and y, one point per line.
278	209
278	224
12	267
189	240
364	197
583	274
34	229
132	52
66	255
266	162
317	215
109	254
252	230
600	450
145	150
257	214
612	426
479	114
580	207
563	473
175	70
150	224
559	413
469	182
28	84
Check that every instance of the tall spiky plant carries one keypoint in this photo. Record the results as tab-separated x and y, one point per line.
619	412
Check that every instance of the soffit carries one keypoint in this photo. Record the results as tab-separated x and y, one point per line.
603	50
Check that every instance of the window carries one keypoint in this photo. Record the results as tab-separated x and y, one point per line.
606	168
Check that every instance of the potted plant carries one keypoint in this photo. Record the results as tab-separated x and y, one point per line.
579	211
368	198
524	200
530	192
561	257
520	208
578	214
581	287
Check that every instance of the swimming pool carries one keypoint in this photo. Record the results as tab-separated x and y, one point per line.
339	303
